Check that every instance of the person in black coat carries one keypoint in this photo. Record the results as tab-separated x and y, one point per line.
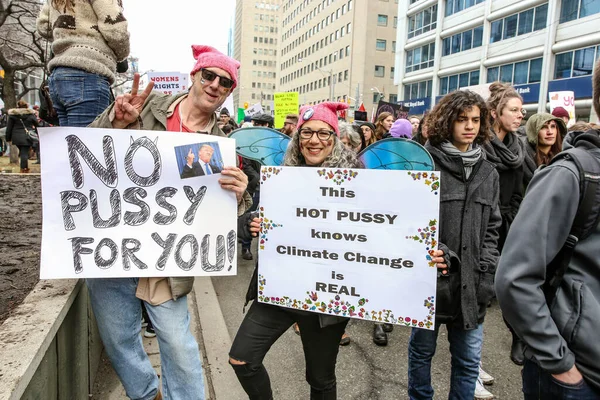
21	120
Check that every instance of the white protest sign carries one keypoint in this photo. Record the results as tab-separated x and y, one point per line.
347	243
254	109
166	82
129	203
184	82
565	100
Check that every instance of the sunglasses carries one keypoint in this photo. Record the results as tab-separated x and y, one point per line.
211	76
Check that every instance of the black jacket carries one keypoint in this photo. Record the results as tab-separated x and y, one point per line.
469	221
196	170
17	119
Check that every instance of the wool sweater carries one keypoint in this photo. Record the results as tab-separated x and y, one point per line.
89	35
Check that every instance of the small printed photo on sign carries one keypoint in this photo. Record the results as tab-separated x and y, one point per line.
199	159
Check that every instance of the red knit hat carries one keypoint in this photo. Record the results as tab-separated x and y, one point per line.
207	56
326	112
560	112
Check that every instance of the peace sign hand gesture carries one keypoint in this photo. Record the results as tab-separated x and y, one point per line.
129	105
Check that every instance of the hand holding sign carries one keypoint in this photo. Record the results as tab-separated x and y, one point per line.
128	106
235	180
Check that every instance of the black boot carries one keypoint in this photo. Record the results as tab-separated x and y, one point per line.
516	350
246	254
380	338
388	327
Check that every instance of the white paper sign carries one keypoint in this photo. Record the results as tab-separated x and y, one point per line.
167	82
255	109
129	203
565	100
350	243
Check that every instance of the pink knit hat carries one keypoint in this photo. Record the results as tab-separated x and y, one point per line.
207	56
326	112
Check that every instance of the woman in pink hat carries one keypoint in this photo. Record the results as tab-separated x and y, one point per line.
315	144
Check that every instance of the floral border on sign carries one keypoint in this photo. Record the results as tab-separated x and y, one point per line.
431	179
341	308
338	176
271	171
427	235
265	226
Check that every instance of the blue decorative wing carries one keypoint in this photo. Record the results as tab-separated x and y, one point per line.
265	145
397	154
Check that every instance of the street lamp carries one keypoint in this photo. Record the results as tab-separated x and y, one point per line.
381	94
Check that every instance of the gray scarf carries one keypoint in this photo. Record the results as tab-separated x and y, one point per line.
505	157
469	157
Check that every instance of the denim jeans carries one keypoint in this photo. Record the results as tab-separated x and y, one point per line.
262	326
539	384
465	350
119	316
78	96
24	156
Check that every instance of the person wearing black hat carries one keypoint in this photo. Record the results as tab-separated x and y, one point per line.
262	120
225	118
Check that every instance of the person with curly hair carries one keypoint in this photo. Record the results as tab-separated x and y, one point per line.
467	251
315	144
383	124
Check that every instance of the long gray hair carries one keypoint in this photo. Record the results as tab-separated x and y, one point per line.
340	157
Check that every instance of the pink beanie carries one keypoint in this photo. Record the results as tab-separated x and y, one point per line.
207	56
326	112
402	128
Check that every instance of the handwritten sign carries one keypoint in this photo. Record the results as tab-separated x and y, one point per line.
168	82
565	100
254	109
116	204
348	243
285	103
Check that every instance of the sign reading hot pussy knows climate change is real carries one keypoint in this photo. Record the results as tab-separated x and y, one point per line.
131	203
350	242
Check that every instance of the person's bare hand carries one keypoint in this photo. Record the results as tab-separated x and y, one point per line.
129	105
255	226
234	179
571	377
437	256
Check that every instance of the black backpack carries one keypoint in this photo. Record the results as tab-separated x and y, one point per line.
587	217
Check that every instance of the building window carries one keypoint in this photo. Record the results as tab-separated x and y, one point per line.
522	23
393	98
463	41
395	22
575	9
576	63
379	71
455	6
451	83
418	90
420	58
528	71
375	97
422	22
382	20
394	46
381	45
392	73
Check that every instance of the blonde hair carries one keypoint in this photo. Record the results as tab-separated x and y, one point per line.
500	94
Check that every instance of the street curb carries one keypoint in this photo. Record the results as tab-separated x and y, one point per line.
216	343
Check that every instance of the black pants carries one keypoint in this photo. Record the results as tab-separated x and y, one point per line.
262	326
24	156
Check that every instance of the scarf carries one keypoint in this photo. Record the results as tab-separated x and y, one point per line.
504	157
469	157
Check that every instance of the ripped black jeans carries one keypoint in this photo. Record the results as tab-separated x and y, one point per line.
262	326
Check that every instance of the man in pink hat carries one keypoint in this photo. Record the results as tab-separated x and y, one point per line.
117	302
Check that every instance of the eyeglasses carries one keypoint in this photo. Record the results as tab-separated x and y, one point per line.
515	111
211	76
322	134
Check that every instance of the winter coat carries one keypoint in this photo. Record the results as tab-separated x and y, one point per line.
469	221
157	108
92	37
15	132
565	332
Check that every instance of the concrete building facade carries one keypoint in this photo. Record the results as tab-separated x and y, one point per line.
255	45
539	46
340	50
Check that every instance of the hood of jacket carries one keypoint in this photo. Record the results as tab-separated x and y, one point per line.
537	121
20	111
588	140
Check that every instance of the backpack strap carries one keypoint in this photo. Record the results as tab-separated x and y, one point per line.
586	219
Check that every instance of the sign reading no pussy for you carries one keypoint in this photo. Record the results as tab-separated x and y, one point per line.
350	242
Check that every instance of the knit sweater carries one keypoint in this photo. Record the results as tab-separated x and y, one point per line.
91	35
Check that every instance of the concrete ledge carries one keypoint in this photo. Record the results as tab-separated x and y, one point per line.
215	343
26	336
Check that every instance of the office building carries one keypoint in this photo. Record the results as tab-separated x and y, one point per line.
538	46
340	50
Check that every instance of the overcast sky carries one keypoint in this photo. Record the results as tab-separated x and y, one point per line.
162	32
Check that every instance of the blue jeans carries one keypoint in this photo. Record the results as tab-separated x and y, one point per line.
119	316
539	384
465	349
78	96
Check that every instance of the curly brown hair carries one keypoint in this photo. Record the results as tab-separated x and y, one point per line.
441	119
596	83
